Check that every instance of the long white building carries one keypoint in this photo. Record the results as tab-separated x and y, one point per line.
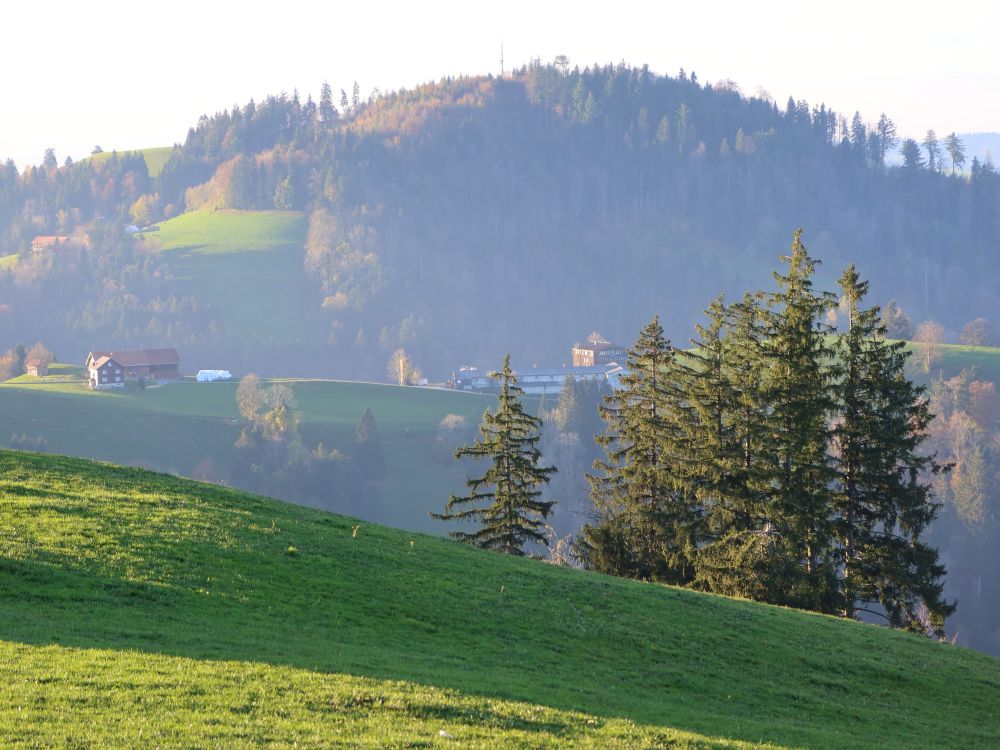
536	380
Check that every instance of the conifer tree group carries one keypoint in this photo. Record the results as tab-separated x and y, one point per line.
773	460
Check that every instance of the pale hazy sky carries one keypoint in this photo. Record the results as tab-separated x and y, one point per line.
131	74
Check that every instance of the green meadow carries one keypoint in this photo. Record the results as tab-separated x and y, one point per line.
138	609
155	157
985	360
189	428
246	265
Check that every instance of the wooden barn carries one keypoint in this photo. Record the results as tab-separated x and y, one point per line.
37	367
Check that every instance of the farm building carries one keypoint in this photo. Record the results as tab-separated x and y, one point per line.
597	350
471	379
105	372
537	380
149	364
37	367
46	241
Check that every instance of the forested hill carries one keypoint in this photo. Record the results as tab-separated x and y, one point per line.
478	215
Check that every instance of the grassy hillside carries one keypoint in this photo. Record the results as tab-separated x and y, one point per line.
190	428
155	157
984	359
139	609
248	265
60	377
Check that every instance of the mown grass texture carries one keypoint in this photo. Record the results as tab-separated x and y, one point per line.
185	427
140	609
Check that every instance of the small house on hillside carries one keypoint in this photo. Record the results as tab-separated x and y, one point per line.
105	372
37	367
597	350
47	241
148	364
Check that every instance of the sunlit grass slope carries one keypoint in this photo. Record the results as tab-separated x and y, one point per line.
60	377
247	265
141	610
187	427
155	157
955	358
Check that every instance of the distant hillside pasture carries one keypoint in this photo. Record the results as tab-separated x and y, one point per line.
248	266
155	157
142	610
59	374
985	360
190	428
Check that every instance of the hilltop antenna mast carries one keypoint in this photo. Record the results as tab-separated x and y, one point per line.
501	57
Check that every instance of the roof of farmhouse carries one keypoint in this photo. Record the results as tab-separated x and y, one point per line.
597	343
142	357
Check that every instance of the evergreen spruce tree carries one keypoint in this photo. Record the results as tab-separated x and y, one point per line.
744	368
701	439
327	111
799	372
885	139
882	502
506	499
643	526
743	553
708	385
956	150
933	149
